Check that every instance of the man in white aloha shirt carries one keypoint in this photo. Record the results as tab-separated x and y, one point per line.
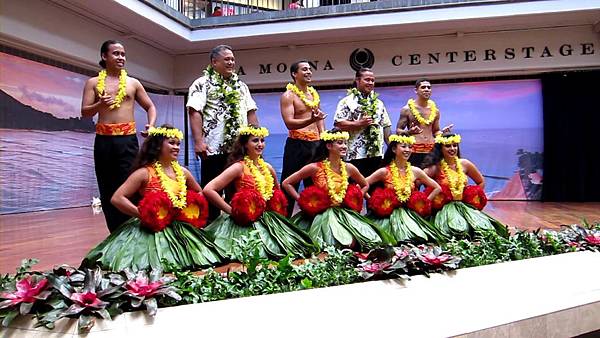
365	118
219	103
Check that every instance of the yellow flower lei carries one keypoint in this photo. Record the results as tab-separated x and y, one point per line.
336	195
168	132
456	179
100	86
258	132
402	187
403	139
262	177
310	104
179	200
455	139
417	114
340	135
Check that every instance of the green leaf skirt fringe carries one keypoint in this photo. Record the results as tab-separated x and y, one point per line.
406	225
460	219
135	247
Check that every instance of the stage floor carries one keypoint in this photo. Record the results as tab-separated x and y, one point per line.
65	236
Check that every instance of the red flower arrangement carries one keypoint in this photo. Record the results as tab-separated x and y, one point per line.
314	200
383	201
195	211
593	239
475	196
156	210
247	205
278	203
353	198
440	199
419	203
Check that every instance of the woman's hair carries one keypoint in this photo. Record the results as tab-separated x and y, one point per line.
389	154
150	151
104	49
321	153
436	154
238	150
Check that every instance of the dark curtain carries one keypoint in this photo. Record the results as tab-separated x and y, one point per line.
571	136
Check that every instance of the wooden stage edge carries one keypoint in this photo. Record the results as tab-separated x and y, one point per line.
66	235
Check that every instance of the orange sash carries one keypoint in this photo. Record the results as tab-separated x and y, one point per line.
114	129
304	135
422	147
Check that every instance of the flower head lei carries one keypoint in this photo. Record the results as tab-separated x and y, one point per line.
258	132
454	139
168	132
340	135
403	139
313	92
417	114
121	93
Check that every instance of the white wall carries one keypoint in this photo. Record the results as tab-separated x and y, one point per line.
46	29
393	57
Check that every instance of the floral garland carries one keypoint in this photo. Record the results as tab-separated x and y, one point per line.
456	179
261	132
336	196
417	114
101	85
455	139
168	132
262	177
403	139
402	187
368	105
230	91
313	92
179	200
340	135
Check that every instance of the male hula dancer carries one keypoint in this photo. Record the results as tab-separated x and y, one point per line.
422	118
303	117
219	104
111	95
365	118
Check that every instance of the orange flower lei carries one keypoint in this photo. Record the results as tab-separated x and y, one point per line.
417	114
179	200
336	195
456	179
100	86
262	177
402	186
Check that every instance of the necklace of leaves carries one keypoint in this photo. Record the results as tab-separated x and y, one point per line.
368	105
230	91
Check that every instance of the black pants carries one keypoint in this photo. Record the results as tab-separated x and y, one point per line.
211	167
417	159
113	158
297	154
367	166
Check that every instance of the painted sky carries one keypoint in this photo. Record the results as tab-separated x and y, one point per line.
472	105
46	88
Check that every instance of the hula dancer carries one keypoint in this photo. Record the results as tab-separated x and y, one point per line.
331	207
365	118
167	221
258	203
301	112
460	204
111	95
421	118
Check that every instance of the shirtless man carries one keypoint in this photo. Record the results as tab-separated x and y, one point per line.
422	119
111	95
304	118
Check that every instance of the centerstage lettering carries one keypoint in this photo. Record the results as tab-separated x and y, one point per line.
471	55
283	67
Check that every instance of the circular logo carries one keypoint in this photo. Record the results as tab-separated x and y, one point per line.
362	58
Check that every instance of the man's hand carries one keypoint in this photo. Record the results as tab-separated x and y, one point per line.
145	131
105	102
201	149
415	130
364	122
318	114
447	128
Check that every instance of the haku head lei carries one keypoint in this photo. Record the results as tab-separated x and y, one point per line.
168	132
403	139
340	135
454	139
250	130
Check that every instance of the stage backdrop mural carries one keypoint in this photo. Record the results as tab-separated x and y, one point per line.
46	150
500	123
